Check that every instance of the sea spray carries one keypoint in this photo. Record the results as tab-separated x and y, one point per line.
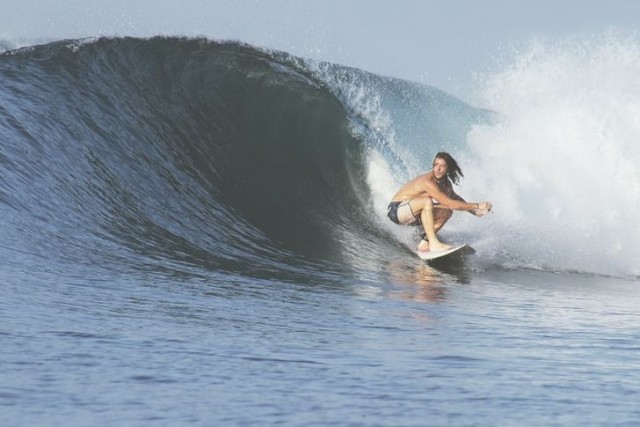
561	162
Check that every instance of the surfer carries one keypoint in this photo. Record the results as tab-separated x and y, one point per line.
429	200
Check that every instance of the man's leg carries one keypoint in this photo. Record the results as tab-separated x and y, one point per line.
431	224
440	217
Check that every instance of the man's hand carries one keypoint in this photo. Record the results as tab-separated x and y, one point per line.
483	209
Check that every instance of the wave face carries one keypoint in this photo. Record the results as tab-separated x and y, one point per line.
149	153
168	154
172	150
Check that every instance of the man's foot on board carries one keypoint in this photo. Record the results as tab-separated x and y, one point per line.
439	247
423	246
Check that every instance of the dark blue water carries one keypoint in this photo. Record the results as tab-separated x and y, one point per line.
189	236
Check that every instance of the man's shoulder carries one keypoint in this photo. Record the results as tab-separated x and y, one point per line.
427	176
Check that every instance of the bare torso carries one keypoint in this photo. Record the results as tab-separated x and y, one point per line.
421	185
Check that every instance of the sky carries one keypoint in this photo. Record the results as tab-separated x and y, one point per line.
443	43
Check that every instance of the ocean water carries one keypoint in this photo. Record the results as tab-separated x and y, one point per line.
193	233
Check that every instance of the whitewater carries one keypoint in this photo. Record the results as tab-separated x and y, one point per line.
194	232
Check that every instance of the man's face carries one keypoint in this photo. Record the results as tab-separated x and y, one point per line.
439	168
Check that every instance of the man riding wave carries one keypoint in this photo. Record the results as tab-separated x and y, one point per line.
429	200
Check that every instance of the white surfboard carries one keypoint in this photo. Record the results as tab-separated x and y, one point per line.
431	255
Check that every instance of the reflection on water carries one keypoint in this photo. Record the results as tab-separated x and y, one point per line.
420	281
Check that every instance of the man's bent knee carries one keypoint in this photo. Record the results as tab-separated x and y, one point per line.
428	203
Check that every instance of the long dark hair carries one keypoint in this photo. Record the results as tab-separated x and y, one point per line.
454	173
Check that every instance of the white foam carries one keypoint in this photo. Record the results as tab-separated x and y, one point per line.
562	164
